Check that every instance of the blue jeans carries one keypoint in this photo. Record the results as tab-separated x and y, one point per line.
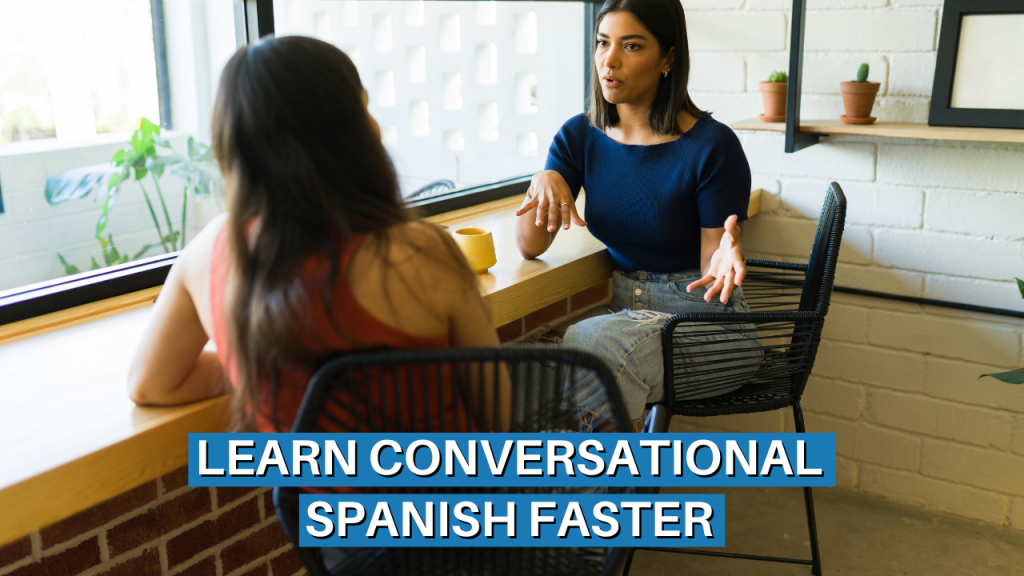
629	339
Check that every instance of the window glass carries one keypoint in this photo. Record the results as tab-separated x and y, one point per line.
468	92
99	101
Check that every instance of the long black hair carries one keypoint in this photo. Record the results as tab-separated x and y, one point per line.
309	173
667	22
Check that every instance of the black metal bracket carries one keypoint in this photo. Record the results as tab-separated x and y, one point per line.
795	139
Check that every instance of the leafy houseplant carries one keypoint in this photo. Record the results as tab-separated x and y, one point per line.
1013	376
139	158
859	98
773	94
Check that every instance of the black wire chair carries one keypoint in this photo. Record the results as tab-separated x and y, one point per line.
788	305
452	390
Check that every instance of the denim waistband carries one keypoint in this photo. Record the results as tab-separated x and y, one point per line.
675	277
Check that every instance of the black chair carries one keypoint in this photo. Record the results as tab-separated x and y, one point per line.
788	305
451	390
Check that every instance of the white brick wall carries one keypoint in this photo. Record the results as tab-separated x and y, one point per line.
896	382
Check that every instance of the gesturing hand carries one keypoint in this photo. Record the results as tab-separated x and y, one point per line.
728	266
550	195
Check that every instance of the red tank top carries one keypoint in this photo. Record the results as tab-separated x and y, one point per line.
354	328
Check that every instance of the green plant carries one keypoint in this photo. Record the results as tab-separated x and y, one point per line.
1013	376
139	158
778	76
862	73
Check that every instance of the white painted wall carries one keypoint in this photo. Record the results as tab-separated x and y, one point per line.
896	382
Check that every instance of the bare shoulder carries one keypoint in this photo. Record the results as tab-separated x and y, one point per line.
426	248
198	253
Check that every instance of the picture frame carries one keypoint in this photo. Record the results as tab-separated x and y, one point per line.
978	83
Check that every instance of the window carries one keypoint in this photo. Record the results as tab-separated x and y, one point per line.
465	92
77	79
468	96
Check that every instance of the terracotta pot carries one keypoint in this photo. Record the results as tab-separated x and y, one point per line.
859	98
774	96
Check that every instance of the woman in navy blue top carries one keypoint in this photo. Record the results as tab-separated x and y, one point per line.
667	187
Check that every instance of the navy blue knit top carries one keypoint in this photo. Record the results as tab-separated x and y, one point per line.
647	204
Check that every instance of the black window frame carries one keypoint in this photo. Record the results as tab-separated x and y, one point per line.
254	19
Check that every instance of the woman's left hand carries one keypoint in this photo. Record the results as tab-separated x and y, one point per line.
727	267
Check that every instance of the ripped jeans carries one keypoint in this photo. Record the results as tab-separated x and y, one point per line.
629	338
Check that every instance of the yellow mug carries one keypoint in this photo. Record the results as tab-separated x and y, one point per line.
478	246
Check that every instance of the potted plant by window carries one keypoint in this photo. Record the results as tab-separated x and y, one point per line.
859	98
773	93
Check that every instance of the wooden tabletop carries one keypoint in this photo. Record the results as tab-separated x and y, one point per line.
70	438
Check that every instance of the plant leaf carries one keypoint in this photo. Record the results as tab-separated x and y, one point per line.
1020	285
1011	377
78	183
69	269
101	223
142	252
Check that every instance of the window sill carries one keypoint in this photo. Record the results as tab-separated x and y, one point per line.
72	439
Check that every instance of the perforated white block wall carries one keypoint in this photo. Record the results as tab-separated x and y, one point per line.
469	91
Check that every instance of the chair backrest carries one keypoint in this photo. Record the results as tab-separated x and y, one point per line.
821	266
520	389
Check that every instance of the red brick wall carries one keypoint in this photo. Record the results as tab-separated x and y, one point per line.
557	313
166	528
161	528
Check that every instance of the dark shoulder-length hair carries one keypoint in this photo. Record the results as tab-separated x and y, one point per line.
309	173
667	22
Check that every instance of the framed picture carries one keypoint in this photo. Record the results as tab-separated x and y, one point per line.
979	69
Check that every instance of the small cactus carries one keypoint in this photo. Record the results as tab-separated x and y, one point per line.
778	76
862	73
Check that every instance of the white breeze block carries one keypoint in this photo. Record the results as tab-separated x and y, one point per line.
971	166
838	162
949	254
870	31
716	72
867	203
912	75
981	292
977	213
736	31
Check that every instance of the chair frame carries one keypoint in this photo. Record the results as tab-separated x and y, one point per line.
321	382
771	284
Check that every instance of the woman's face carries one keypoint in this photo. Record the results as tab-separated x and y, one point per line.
628	60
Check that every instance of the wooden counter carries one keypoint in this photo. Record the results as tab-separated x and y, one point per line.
70	438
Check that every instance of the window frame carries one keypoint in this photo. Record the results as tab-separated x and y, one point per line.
254	19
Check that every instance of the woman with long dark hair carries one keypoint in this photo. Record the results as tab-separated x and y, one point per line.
315	256
666	189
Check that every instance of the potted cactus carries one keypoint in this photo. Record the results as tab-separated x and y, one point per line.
859	98
773	93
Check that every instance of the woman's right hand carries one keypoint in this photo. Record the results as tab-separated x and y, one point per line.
550	195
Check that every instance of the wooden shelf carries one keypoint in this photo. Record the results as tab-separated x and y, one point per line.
890	130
